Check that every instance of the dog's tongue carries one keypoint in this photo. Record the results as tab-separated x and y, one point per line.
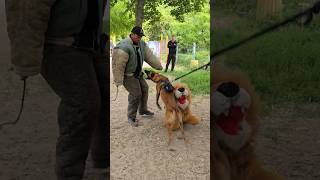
182	99
231	124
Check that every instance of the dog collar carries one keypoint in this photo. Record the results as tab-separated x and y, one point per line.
167	86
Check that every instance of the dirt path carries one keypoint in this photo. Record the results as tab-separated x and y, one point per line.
289	141
142	152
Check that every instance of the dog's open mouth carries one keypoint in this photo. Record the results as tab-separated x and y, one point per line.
229	105
231	123
182	99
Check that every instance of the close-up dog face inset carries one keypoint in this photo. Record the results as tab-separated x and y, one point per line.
234	111
230	106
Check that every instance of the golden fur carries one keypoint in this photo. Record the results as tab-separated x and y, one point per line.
175	114
239	164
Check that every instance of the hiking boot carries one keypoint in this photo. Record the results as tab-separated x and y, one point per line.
146	113
133	122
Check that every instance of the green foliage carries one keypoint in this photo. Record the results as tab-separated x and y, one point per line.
181	7
120	21
195	29
248	7
236	6
152	14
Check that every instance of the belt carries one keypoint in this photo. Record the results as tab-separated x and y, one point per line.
63	41
133	75
129	74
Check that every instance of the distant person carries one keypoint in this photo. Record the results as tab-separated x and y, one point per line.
127	60
172	45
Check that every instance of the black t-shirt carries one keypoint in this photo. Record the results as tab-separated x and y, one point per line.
137	73
87	37
172	47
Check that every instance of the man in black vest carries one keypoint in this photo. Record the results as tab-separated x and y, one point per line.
172	45
61	40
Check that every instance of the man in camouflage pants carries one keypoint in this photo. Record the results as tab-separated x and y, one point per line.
60	40
127	60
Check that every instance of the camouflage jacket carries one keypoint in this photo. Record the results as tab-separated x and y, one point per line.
124	59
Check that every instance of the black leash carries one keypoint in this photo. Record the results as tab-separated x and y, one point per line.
309	13
21	107
208	64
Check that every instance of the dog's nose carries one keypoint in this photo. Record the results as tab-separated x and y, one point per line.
229	89
181	89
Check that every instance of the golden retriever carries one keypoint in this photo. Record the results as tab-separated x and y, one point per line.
176	100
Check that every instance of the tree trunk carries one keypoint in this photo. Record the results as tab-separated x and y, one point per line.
268	9
139	12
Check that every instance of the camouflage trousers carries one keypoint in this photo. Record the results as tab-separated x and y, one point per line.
81	82
138	95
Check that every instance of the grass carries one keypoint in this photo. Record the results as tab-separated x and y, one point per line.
283	65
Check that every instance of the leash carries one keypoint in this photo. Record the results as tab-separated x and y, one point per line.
203	66
315	9
21	106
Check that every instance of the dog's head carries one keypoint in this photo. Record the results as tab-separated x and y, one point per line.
159	78
183	95
234	108
155	77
